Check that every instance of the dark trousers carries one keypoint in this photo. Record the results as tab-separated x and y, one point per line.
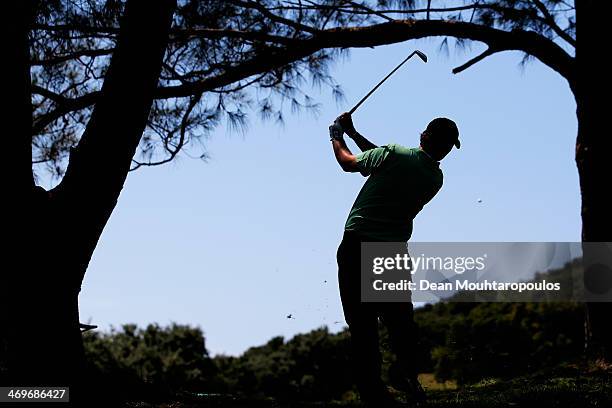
362	319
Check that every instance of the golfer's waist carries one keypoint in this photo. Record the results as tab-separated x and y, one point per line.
365	236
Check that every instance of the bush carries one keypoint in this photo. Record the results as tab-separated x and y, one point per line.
501	339
311	366
163	360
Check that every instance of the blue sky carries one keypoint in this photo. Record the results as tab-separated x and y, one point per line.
236	244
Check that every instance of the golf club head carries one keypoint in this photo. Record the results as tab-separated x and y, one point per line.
421	55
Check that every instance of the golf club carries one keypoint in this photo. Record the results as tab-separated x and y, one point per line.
335	130
420	54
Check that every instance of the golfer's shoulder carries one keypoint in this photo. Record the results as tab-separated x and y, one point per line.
402	151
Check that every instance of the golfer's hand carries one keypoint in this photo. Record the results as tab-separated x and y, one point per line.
346	121
335	131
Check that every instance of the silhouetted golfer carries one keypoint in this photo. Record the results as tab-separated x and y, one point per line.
401	181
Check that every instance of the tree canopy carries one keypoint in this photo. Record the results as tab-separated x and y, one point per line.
226	59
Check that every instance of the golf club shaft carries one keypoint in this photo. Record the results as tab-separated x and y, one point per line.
381	82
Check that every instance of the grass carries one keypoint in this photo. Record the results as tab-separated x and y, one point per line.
554	388
539	390
430	384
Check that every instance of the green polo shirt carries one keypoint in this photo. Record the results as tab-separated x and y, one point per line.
401	181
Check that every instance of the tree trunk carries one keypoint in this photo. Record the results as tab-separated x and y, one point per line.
43	344
595	180
593	148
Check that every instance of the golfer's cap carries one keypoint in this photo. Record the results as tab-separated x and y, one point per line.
445	127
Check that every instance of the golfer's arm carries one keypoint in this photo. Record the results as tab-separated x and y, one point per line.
345	158
361	142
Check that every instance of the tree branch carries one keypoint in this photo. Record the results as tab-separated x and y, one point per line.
220	33
544	49
274	17
550	20
74	55
67	105
174	150
534	44
55	97
487	53
370	11
81	28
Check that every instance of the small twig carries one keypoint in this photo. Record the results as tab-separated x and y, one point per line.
87	327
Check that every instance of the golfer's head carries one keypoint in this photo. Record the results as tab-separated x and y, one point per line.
440	137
